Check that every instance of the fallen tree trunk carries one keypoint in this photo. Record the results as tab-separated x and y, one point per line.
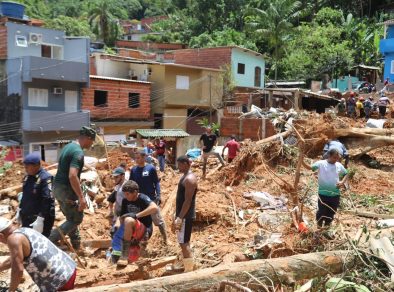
274	137
363	132
285	270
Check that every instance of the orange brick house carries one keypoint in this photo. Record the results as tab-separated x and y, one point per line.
118	106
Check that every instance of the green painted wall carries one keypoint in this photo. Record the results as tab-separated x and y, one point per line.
251	61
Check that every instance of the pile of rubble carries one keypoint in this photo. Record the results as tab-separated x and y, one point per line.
245	215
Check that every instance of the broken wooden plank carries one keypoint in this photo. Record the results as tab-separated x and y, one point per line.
97	243
286	270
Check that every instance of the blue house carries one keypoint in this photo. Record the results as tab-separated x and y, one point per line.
387	50
42	72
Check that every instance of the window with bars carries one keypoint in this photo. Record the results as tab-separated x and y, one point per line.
134	100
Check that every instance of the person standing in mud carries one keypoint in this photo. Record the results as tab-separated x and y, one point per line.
67	187
331	176
185	211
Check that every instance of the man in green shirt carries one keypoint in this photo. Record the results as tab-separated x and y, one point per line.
67	188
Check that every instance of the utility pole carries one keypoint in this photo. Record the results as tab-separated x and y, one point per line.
210	99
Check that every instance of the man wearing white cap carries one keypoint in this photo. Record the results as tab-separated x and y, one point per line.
49	267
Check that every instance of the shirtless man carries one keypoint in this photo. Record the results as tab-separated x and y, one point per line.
185	210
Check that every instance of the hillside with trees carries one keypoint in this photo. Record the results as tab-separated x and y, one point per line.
299	39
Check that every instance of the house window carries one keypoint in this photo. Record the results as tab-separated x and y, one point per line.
52	52
37	97
241	68
257	76
134	100
392	67
100	98
182	82
21	41
46	51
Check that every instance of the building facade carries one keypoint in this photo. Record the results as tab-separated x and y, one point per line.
247	67
42	73
119	96
387	50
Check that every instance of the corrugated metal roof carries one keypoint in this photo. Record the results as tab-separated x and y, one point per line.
152	133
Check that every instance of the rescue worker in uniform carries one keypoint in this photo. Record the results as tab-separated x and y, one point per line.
37	206
67	187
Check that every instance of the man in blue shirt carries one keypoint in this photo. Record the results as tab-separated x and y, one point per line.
145	175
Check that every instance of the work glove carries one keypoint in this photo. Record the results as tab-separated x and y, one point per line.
18	216
178	224
38	225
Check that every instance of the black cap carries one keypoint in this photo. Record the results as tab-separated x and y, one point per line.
184	159
88	132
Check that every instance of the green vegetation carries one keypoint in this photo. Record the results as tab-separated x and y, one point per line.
299	39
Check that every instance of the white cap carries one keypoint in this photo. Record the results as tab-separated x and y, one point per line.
4	224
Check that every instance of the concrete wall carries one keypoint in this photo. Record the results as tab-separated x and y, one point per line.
74	49
251	61
51	69
56	102
45	121
174	118
158	86
10	108
164	87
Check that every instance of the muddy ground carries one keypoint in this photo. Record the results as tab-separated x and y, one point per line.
222	234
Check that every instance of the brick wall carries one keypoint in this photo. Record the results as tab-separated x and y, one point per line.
148	45
117	100
136	54
92	64
246	128
3	42
209	57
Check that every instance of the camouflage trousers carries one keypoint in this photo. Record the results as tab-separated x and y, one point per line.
68	204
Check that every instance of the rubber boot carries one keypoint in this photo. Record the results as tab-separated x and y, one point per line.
188	263
163	232
124	258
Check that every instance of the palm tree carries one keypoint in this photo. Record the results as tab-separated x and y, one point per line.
103	23
274	24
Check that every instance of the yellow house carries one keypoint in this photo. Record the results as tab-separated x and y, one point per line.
182	93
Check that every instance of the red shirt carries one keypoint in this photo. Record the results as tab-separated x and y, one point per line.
232	146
